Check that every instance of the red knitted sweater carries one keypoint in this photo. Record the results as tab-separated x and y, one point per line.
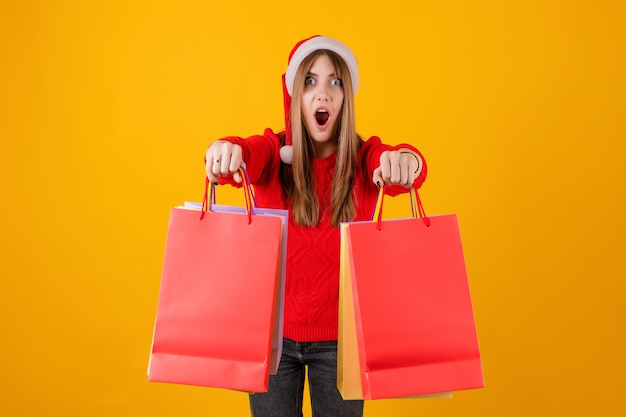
312	281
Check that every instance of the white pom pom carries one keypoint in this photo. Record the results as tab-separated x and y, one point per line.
286	154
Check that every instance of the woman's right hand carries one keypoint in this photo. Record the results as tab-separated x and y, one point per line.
223	159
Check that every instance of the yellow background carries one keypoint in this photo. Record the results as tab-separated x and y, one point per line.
107	109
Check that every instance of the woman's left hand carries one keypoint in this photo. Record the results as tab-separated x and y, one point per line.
399	167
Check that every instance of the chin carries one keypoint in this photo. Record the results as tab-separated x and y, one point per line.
321	137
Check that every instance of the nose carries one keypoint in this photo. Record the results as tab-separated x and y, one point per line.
322	97
322	93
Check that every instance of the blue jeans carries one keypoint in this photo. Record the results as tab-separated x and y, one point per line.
286	388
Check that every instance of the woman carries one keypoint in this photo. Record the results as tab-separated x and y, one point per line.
324	174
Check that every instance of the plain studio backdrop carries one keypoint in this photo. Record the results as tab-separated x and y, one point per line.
107	108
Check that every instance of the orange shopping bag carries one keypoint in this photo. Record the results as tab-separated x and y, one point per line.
414	326
215	315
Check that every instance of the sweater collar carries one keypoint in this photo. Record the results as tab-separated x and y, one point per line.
325	163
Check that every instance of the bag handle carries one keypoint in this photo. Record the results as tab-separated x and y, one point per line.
244	175
209	195
417	209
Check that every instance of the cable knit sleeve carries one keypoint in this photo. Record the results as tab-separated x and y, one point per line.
259	153
370	157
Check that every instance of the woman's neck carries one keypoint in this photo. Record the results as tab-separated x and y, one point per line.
324	149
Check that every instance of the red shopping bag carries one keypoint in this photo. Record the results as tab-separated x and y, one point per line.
349	380
415	327
215	315
279	308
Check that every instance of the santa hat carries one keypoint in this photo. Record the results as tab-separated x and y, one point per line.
303	49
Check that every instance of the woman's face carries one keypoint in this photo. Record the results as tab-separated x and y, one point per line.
321	102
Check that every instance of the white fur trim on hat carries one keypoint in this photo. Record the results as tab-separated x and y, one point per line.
315	44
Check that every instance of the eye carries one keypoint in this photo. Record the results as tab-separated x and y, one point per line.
309	81
336	81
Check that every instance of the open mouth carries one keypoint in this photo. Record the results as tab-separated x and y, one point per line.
321	116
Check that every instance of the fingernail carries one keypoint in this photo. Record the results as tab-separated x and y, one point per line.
378	183
216	183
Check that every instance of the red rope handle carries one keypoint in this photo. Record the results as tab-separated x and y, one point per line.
205	199
209	196
247	194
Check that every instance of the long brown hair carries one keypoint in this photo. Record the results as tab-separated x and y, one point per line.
298	181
